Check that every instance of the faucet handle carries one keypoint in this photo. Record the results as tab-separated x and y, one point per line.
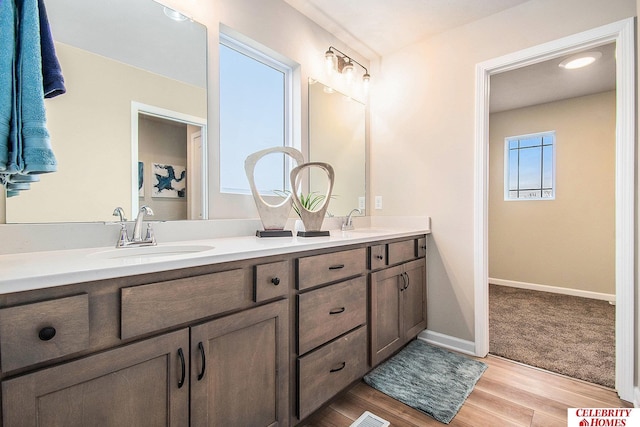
146	210
150	237
124	237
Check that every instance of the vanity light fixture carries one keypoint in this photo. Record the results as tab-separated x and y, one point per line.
580	60
343	64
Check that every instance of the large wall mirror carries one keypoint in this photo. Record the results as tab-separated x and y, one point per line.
120	55
337	137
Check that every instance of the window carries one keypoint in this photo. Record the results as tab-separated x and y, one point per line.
529	167
254	115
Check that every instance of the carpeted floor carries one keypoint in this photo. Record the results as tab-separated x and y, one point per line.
570	335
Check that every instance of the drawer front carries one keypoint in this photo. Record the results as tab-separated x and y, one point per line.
325	268
325	372
34	333
155	306
271	281
377	257
402	251
326	313
422	247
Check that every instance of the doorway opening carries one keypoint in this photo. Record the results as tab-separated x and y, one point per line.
169	167
622	34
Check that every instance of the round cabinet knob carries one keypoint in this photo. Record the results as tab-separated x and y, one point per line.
47	333
275	281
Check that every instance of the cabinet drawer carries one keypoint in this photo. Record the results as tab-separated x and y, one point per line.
402	251
271	281
325	372
325	268
422	247
42	331
326	313
155	306
377	257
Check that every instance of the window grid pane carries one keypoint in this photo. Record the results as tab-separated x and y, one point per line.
529	167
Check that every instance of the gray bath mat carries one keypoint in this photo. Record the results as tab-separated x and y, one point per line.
427	378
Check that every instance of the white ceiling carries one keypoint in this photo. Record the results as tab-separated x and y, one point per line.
379	27
144	37
547	82
135	32
376	28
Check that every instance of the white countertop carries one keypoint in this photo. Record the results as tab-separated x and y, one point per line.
38	270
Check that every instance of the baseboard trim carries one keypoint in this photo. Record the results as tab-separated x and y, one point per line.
448	342
554	289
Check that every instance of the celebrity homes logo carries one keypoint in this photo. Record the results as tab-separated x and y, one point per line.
603	417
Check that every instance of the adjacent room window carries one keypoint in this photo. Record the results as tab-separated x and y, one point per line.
529	167
255	111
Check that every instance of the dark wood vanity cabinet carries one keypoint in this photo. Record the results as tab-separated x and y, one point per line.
257	342
331	336
141	384
197	347
238	369
398	300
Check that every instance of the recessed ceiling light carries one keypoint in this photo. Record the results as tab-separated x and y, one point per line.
174	14
580	60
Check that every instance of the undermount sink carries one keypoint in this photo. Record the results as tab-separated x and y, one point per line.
139	252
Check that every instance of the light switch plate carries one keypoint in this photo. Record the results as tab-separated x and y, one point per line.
378	202
361	202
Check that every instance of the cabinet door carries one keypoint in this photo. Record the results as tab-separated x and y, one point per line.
386	327
414	299
134	385
239	373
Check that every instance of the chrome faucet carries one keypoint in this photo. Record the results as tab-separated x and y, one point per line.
348	222
137	227
137	239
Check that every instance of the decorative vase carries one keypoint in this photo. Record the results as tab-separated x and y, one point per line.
273	217
312	220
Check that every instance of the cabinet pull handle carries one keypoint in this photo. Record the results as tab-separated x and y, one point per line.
408	281
204	360
340	368
275	281
404	282
423	247
380	257
47	333
336	267
183	368
337	310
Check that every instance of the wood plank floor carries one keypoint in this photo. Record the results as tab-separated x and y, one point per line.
507	394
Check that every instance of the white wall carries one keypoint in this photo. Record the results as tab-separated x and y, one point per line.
422	141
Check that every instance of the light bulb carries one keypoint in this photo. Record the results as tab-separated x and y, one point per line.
366	79
347	70
330	61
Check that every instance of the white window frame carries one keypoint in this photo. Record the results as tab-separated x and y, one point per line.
261	56
508	139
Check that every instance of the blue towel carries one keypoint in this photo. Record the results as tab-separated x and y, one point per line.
36	145
7	89
52	79
27	147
